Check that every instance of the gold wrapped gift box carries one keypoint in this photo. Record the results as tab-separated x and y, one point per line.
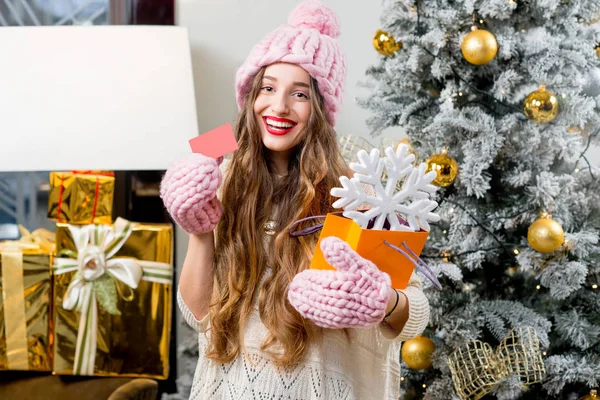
112	307
81	197
25	291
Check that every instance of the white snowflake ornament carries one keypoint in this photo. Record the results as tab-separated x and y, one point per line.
412	202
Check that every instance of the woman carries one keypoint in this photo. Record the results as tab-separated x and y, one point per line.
269	328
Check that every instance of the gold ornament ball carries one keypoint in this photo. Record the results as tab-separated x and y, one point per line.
446	168
417	352
598	51
592	396
541	106
385	43
479	47
545	235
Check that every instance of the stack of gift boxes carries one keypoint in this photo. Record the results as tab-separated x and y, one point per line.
95	297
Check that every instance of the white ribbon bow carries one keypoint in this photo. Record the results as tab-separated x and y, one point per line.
96	245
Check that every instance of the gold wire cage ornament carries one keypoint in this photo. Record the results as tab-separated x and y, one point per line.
520	354
476	368
350	146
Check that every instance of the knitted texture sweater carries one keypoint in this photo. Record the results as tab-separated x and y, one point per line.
364	367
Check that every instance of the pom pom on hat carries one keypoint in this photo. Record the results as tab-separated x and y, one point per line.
313	14
307	40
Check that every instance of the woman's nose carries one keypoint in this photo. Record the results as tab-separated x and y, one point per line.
279	104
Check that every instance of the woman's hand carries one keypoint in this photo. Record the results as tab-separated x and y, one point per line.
356	295
189	190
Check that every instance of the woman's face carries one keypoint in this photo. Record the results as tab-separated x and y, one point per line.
282	107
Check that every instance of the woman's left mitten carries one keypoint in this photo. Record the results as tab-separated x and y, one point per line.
355	295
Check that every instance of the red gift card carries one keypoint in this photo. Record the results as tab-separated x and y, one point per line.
215	143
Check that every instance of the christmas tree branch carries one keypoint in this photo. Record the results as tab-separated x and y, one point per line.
484	93
589	167
462	253
418	16
587	146
475	89
480	104
582	155
480	225
510	216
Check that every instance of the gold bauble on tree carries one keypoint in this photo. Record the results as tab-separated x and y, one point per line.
592	396
385	43
416	353
446	168
545	235
479	46
541	106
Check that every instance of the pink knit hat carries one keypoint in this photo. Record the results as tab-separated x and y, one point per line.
307	40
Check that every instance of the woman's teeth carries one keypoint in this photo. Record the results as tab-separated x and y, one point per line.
280	125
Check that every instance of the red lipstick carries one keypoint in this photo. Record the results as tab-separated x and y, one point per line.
278	126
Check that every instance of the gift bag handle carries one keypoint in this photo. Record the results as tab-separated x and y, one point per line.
310	229
314	228
419	264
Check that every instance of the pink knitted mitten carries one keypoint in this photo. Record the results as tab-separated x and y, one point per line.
189	190
355	295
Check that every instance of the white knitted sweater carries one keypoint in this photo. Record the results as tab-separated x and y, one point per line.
364	368
367	367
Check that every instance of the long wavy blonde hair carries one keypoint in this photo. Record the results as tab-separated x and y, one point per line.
250	192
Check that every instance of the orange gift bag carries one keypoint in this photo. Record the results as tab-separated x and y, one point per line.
384	222
393	252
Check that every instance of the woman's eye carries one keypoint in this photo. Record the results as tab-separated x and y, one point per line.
301	95
267	88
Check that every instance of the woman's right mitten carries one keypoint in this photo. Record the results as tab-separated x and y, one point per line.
355	295
189	192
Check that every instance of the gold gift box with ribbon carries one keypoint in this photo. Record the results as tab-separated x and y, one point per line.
112	299
81	197
25	291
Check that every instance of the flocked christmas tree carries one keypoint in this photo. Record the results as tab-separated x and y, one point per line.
501	99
